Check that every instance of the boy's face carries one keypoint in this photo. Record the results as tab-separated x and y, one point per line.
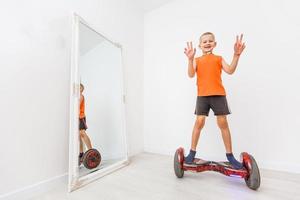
81	89
207	43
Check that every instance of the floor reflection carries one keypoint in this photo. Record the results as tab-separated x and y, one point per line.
105	163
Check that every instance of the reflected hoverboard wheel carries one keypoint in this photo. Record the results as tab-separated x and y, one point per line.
253	179
178	163
91	158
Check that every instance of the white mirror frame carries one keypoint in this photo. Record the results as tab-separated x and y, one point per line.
75	181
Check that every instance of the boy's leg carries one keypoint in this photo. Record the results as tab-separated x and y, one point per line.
86	139
80	145
199	124
223	125
80	150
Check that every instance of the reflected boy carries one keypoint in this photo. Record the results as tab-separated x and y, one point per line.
83	137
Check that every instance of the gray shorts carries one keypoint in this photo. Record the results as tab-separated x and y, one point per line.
82	124
217	103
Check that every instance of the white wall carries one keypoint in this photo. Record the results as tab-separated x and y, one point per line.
100	72
35	72
263	94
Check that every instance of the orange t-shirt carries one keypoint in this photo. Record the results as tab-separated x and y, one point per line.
209	70
81	108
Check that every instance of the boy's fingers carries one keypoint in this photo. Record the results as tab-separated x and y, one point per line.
237	39
241	37
191	45
187	44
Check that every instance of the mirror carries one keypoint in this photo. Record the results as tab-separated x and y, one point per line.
97	132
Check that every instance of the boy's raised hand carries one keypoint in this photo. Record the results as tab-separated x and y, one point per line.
239	46
190	51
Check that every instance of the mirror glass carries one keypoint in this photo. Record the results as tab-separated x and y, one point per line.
99	116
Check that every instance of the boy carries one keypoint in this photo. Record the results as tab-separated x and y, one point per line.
211	93
82	125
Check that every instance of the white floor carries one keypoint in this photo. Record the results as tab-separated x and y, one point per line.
151	176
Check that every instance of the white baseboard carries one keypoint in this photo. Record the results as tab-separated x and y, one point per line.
36	189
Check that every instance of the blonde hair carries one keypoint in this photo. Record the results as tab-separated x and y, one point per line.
81	85
207	33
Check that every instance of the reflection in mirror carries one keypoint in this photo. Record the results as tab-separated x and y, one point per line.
101	143
99	72
91	157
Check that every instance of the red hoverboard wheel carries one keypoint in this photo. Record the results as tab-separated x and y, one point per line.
91	158
253	179
178	162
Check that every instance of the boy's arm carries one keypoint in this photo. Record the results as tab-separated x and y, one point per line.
190	53
229	69
238	49
192	68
